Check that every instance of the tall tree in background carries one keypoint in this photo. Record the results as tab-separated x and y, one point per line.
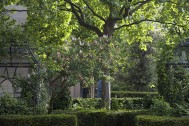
141	69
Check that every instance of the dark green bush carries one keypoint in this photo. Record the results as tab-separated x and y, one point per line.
62	100
122	94
40	120
149	120
116	103
86	103
180	110
161	107
11	105
175	86
127	103
173	79
107	118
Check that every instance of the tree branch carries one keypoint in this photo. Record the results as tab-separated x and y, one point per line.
65	9
147	20
142	3
74	10
94	13
61	74
128	12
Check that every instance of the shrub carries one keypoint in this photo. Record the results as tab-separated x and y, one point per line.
11	105
149	120
173	79
176	90
116	103
161	107
180	110
28	86
40	120
86	103
127	103
122	94
173	85
63	99
107	118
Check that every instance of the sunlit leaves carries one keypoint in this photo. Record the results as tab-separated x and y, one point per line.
47	29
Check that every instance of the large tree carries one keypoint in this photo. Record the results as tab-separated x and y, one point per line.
131	20
52	21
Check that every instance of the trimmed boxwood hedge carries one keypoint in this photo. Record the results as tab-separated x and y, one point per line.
122	94
149	120
116	103
38	120
108	118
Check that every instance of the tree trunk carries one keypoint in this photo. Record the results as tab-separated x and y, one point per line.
109	27
50	108
103	94
106	87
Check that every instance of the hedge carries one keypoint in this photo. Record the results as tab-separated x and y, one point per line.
116	103
149	120
105	118
122	94
38	120
86	103
130	103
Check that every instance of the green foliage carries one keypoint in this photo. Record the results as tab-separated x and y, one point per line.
50	25
86	103
173	81
33	88
180	110
10	35
116	103
28	89
107	118
39	120
49	32
149	120
36	99
136	66
160	107
178	80
37	110
140	67
11	105
122	94
127	103
62	100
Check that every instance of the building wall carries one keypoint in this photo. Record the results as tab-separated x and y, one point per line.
21	16
6	76
7	73
75	91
